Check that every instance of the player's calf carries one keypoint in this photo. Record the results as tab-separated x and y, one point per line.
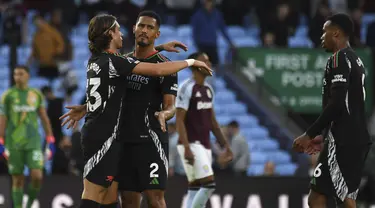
36	176
130	199
316	200
155	198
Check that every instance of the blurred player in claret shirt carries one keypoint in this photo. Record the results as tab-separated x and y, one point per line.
342	124
20	108
195	118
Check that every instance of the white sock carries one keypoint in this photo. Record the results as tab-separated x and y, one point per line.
190	197
201	198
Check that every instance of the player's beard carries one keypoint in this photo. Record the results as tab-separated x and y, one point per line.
143	44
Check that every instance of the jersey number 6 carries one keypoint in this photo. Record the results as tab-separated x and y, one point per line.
95	83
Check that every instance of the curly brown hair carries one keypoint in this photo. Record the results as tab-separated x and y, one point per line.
99	38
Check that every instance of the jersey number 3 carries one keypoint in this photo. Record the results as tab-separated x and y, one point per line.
94	83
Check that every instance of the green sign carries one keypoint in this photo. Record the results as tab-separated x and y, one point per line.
295	75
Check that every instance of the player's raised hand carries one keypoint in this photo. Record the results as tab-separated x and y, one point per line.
161	118
76	113
203	67
189	156
301	143
173	46
225	158
315	145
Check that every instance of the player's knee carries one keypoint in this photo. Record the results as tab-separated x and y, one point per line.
316	200
18	181
36	177
111	194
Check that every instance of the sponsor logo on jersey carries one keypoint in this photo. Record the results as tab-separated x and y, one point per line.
23	108
138	78
204	105
338	78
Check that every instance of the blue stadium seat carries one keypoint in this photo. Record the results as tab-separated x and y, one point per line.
246	121
38	82
255	133
219	84
253	31
223	119
184	31
263	145
286	169
368	18
222	42
234	109
167	30
258	157
279	157
4	51
255	170
302	31
236	31
246	42
225	97
299	42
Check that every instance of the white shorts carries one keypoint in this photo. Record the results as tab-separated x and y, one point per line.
202	167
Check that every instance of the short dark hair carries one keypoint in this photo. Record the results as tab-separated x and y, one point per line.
343	21
98	37
233	124
152	14
24	67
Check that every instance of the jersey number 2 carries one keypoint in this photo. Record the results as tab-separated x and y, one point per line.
154	168
95	83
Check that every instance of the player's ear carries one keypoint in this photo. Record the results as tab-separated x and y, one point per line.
157	34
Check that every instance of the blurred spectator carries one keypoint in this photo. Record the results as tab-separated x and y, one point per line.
240	148
175	164
235	10
316	24
269	40
54	111
58	23
205	23
47	45
368	6
269	169
14	22
338	6
182	9
355	39
92	7
283	25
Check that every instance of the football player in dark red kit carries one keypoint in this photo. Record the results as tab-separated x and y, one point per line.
195	118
